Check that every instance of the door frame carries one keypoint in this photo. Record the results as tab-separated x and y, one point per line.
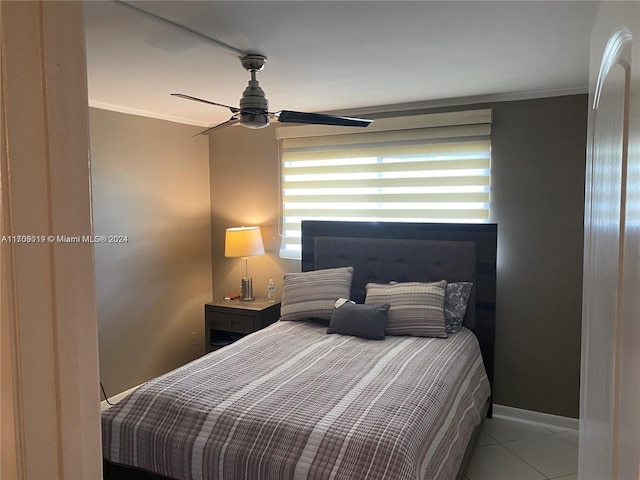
50	384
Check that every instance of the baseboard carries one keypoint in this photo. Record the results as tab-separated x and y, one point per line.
116	398
536	417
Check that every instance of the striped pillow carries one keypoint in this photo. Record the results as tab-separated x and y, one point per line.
313	294
416	308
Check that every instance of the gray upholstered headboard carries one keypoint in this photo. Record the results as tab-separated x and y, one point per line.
382	260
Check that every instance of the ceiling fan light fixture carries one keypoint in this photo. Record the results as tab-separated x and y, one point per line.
254	120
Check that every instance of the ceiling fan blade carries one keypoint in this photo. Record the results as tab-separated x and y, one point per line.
195	99
320	119
231	121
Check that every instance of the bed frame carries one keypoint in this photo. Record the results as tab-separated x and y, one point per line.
383	252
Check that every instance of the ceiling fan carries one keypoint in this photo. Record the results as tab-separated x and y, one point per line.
254	107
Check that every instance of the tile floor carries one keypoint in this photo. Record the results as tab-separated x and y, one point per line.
510	449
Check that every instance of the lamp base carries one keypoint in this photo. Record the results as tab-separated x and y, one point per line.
246	290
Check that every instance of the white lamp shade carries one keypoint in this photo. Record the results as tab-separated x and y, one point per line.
243	242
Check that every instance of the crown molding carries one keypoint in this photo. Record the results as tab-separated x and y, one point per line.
145	113
454	102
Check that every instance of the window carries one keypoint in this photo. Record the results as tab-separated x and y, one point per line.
419	168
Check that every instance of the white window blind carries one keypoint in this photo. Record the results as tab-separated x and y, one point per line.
419	168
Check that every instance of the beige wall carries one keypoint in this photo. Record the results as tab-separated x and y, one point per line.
245	191
150	181
537	201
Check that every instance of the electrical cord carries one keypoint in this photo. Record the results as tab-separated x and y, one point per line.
105	395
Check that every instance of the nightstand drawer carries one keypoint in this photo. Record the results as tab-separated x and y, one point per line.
229	322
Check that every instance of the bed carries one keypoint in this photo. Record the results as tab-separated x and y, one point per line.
294	402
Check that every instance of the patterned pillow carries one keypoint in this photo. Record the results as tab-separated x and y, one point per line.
312	294
456	298
416	308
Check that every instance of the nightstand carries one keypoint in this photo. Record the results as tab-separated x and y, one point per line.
226	321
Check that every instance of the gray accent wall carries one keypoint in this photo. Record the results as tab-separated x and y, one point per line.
538	169
538	173
150	183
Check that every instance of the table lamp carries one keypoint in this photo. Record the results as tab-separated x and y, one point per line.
244	242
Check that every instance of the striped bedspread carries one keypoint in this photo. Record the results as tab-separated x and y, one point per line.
292	402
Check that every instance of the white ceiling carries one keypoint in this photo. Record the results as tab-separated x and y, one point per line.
333	56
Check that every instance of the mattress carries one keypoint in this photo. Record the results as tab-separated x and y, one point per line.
293	402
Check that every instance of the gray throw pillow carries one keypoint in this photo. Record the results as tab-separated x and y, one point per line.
366	321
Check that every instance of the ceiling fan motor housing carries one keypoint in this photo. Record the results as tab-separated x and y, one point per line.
254	107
